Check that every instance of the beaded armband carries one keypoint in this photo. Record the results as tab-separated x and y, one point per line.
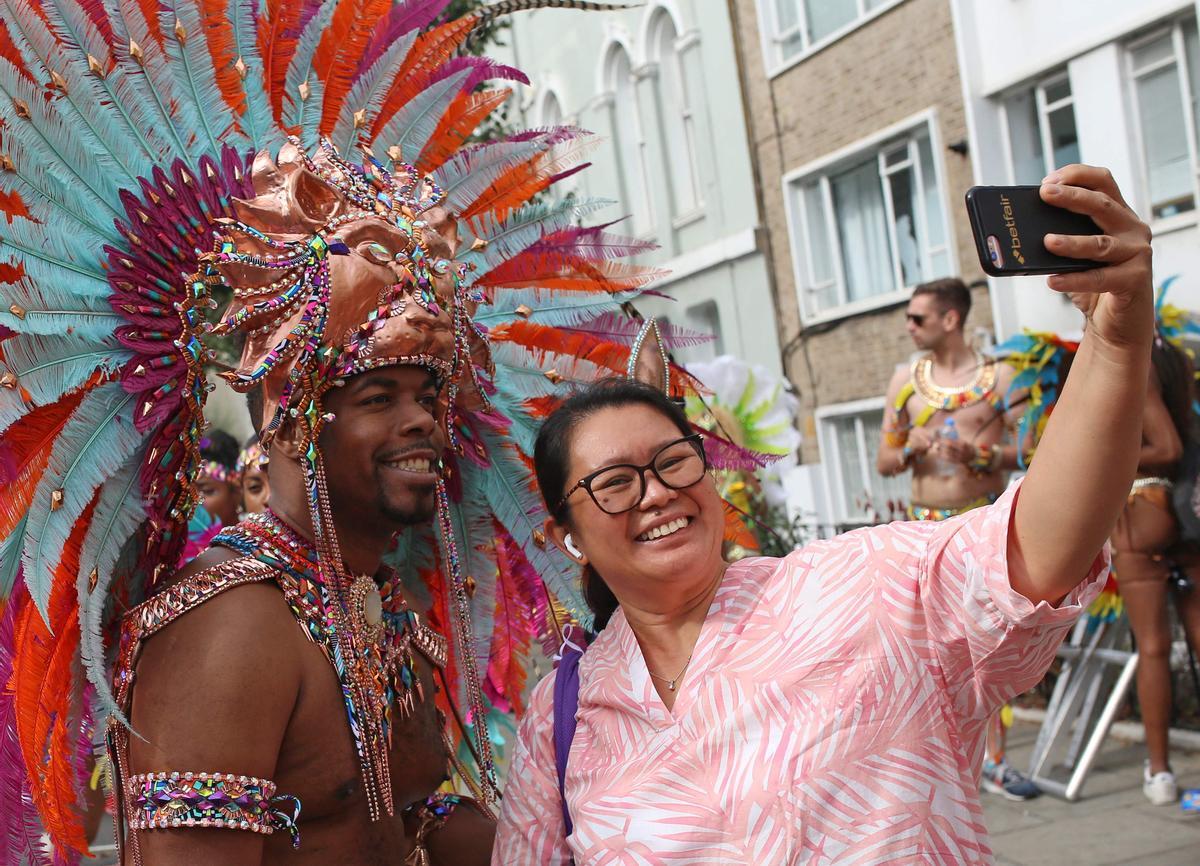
895	438
158	801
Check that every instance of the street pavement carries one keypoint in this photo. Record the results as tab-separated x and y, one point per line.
1112	824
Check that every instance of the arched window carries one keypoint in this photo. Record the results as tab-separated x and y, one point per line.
677	119
629	140
551	113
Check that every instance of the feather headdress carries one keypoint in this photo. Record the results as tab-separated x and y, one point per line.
140	148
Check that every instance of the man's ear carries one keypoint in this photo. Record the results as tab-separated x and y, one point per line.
557	532
288	441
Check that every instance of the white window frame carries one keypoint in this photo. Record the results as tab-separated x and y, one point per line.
831	463
630	174
1179	60
676	108
797	217
773	39
1044	110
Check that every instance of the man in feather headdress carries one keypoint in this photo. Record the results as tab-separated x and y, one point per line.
183	153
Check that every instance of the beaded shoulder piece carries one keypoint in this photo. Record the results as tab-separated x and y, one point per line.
386	630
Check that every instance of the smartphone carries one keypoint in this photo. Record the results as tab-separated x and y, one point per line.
1009	223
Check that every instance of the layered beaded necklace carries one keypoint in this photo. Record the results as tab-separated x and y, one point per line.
373	621
950	399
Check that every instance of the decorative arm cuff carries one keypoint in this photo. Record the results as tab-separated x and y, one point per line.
167	800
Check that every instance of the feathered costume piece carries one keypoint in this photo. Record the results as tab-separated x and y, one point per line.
1042	360
153	155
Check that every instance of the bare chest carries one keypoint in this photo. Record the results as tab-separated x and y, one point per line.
318	762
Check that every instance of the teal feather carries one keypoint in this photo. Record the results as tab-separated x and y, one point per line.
563	313
151	79
82	101
64	269
369	91
257	122
298	112
473	530
469	173
521	512
413	125
45	191
119	512
49	366
309	119
73	157
192	64
96	441
10	557
523	227
415	551
81	35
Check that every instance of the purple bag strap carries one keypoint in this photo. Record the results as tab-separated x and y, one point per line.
566	702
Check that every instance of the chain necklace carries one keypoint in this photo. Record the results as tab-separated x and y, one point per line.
374	621
950	399
673	680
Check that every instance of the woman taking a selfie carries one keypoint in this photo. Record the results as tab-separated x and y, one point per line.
828	706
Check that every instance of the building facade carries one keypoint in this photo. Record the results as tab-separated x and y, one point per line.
658	85
859	135
1106	82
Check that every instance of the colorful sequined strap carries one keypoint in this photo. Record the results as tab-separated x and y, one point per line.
160	801
170	604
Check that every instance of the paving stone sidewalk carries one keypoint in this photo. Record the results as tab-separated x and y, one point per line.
1111	825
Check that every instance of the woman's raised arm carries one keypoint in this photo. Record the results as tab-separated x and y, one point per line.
1088	455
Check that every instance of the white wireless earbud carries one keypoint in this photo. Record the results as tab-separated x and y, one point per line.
569	544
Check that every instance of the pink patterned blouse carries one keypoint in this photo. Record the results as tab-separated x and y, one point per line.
834	712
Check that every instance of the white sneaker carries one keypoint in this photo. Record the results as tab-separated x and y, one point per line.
1160	789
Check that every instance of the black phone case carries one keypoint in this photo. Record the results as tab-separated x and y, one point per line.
1014	219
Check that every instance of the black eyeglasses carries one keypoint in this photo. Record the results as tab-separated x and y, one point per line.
621	487
916	319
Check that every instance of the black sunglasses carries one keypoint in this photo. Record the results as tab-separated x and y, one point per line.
916	319
621	487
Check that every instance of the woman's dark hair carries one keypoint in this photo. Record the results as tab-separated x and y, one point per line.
552	457
220	447
1176	378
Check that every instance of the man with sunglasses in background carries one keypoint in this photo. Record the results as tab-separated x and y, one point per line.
945	421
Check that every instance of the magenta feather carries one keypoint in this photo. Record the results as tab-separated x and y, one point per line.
401	18
619	328
482	69
723	454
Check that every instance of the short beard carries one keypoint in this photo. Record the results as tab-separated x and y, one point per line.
422	513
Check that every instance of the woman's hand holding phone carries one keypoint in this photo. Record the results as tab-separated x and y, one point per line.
1118	300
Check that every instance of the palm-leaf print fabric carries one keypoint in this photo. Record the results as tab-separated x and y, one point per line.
834	711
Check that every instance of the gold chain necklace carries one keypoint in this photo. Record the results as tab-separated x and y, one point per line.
671	682
950	399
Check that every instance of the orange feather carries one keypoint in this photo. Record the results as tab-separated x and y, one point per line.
522	182
431	50
150	13
13	206
462	118
336	60
42	689
26	447
543	340
736	531
276	45
218	33
556	271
